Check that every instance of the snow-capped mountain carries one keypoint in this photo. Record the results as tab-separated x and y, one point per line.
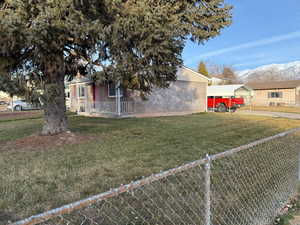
288	71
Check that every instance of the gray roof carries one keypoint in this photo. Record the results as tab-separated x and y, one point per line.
81	79
290	84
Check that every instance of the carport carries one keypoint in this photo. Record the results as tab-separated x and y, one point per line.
236	90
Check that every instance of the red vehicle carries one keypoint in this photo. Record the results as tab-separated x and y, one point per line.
224	104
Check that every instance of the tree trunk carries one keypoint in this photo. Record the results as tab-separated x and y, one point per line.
54	103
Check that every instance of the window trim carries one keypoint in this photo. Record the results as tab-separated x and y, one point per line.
108	90
80	92
275	94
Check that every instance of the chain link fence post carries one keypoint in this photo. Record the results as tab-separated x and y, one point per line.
298	165
245	185
208	190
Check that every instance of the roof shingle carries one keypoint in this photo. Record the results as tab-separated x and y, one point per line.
290	84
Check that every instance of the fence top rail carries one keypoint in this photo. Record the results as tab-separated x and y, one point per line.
33	220
106	195
253	144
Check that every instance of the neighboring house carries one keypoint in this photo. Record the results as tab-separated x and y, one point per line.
4	96
217	81
236	90
276	93
186	95
67	95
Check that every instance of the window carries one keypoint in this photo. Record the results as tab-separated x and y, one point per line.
112	90
81	91
215	97
67	94
275	95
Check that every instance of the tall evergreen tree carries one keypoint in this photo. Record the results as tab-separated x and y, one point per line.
128	39
202	69
12	85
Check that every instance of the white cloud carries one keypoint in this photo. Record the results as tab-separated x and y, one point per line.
249	57
258	62
257	43
251	63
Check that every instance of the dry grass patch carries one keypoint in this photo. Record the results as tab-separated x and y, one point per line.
285	109
5	116
39	142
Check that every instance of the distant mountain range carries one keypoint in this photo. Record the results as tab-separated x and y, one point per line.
288	71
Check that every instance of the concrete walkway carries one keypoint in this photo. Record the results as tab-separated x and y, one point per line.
295	220
271	114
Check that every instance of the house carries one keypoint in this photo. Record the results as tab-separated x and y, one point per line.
67	94
276	93
236	90
4	96
186	95
217	81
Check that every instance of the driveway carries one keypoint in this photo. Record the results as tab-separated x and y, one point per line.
271	114
295	220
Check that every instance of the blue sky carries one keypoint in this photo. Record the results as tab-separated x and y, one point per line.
263	32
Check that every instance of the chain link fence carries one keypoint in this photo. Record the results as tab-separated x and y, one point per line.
247	185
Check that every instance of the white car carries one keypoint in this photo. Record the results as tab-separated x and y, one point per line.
20	105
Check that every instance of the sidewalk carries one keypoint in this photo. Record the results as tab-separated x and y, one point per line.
295	220
271	114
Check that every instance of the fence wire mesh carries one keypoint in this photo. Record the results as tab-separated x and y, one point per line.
245	185
249	187
174	199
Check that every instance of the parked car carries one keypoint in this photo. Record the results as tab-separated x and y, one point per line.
3	103
224	104
20	105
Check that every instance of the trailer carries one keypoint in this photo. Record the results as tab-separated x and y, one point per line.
225	98
224	104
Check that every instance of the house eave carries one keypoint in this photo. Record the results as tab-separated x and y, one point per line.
198	74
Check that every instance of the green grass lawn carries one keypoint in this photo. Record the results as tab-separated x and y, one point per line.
35	177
